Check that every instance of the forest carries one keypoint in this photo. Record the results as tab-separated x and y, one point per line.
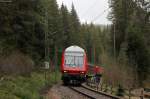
34	31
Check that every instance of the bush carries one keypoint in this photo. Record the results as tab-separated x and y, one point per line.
20	87
16	63
6	95
117	73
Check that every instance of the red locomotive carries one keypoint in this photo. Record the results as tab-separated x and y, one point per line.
74	65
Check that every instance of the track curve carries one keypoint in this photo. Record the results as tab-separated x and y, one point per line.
92	94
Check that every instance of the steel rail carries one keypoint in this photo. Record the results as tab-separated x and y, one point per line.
102	93
86	95
92	94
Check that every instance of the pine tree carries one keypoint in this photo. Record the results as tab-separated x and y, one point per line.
54	26
75	27
66	25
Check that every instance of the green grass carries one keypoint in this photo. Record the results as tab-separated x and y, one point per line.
19	87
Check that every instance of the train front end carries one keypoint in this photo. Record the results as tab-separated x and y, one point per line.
74	65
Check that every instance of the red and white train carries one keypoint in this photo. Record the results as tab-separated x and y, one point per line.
74	65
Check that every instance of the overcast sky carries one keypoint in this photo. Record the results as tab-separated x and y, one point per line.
89	10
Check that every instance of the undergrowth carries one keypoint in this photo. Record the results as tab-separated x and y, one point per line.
20	87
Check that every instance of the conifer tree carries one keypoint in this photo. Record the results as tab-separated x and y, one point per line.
75	26
66	25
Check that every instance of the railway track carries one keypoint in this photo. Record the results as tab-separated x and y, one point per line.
92	94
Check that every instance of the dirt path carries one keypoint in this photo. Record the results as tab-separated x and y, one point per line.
62	92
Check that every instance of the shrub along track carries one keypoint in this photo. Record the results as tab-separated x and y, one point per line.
92	94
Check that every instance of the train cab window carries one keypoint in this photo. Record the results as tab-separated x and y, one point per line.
74	60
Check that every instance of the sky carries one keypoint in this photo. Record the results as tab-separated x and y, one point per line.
95	11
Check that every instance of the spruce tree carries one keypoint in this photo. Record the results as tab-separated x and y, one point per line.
75	27
66	25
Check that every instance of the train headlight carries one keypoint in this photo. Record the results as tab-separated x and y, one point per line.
82	72
65	71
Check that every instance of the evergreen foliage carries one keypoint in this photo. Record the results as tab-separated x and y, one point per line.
131	27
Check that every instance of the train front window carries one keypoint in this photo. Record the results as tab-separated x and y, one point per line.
74	60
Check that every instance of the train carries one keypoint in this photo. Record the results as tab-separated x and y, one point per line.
74	65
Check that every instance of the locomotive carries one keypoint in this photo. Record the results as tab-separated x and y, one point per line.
74	65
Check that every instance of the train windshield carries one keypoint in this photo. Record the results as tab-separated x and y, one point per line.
74	59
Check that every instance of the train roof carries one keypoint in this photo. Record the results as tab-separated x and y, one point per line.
74	49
